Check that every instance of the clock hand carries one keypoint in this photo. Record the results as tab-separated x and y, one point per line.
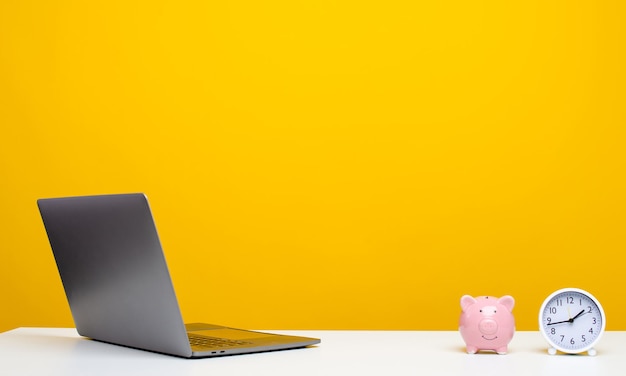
578	315
570	320
559	322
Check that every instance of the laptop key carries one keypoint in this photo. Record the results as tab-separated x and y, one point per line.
213	342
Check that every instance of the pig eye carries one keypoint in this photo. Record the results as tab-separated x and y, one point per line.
481	310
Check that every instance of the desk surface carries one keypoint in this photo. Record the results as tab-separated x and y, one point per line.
49	351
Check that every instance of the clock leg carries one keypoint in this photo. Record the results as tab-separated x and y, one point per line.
551	350
591	352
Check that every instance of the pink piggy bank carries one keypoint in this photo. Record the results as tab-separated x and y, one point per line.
486	323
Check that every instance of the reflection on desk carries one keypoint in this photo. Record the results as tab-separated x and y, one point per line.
54	351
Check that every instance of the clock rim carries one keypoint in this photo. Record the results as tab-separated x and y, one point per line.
580	291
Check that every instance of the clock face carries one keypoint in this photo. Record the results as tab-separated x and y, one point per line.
571	320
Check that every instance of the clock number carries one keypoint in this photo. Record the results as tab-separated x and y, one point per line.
570	300
589	309
552	310
559	302
583	338
591	330
552	331
562	337
594	320
549	320
571	341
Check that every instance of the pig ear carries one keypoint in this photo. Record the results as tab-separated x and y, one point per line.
467	301
507	301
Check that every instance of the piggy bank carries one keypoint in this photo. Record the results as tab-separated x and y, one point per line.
486	323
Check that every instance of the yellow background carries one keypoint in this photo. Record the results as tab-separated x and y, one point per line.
324	164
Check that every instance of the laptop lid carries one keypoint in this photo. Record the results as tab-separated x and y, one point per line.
114	273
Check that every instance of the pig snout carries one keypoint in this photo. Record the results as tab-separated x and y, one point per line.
488	326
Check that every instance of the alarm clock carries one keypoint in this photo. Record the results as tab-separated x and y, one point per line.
572	321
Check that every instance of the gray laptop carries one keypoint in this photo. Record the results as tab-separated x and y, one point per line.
118	285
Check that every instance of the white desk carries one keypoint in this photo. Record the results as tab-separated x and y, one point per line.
48	351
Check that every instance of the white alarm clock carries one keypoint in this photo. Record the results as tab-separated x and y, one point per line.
572	321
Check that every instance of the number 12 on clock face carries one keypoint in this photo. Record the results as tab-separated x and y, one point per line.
572	321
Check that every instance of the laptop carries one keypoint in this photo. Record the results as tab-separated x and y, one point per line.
118	286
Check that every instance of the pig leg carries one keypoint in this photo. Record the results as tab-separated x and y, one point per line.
472	349
502	350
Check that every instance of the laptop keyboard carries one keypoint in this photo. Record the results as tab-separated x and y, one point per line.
213	342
